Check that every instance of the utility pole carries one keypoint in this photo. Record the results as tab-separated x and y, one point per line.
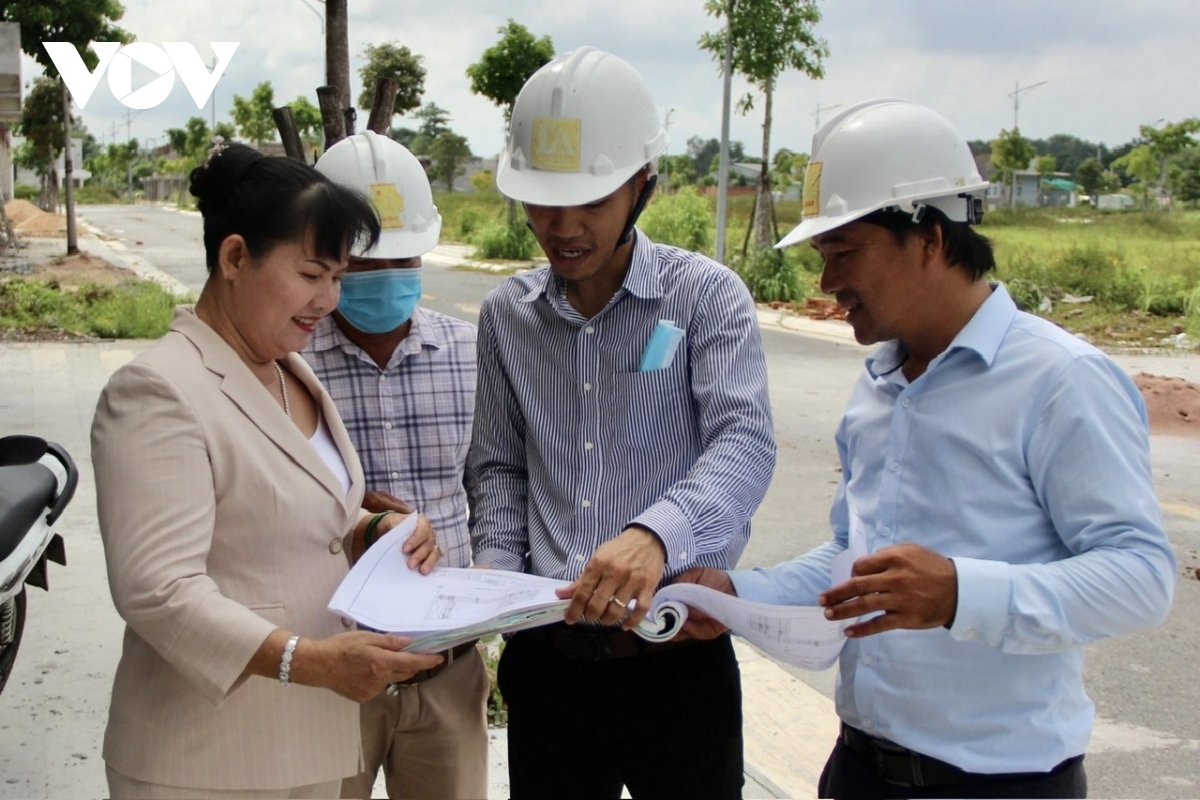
213	97
723	167
1015	94
817	115
667	150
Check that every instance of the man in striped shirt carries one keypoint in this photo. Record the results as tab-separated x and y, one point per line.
403	379
622	435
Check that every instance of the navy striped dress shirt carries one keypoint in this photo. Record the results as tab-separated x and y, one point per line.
572	444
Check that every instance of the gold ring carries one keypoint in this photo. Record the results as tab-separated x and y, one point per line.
614	599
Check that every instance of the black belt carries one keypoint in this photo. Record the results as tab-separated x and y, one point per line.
448	658
597	644
903	767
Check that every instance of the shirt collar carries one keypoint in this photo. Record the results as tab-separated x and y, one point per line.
641	280
981	335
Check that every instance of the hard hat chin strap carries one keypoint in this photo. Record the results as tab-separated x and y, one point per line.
638	208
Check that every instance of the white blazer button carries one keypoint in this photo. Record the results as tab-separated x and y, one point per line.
335	546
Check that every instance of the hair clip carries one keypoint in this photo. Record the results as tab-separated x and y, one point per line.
219	145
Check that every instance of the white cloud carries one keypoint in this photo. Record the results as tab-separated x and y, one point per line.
1109	65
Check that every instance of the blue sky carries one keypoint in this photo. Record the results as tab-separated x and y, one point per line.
1109	65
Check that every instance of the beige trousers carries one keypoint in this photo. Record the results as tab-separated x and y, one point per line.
122	787
430	739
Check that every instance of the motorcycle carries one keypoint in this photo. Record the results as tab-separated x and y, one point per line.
37	481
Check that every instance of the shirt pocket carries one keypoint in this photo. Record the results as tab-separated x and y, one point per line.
652	409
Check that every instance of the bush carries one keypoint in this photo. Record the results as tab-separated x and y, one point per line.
682	219
470	221
771	275
96	194
501	241
23	191
129	310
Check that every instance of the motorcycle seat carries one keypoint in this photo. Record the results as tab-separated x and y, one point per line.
26	493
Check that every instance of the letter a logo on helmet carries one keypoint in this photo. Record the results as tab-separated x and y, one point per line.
582	125
556	144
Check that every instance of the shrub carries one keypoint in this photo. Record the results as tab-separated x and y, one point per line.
96	194
471	220
682	219
501	241
129	310
771	275
23	191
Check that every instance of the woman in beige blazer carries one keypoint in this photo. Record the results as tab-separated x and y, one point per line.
228	493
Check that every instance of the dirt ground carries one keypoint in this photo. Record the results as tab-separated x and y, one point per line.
29	220
1172	403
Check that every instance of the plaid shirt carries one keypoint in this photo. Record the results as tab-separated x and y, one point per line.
410	423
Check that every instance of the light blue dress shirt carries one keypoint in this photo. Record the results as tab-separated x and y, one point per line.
1022	453
573	442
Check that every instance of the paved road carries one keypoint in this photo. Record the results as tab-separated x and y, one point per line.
1147	740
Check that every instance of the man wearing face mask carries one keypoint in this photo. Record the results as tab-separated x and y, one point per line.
403	379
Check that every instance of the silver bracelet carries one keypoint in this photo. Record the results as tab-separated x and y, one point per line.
285	663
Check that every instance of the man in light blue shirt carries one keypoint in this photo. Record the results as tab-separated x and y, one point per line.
995	478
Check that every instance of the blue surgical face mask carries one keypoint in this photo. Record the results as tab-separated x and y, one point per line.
380	300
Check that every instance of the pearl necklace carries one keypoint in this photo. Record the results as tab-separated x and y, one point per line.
287	407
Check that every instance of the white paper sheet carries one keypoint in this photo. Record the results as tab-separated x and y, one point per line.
450	606
455	605
799	635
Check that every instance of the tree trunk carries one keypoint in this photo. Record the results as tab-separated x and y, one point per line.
763	225
68	172
337	50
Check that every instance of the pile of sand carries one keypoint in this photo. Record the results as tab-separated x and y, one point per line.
1172	403
29	220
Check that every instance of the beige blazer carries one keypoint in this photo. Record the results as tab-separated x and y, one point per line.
220	523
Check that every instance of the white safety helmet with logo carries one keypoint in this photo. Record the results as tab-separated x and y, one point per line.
396	184
887	153
583	125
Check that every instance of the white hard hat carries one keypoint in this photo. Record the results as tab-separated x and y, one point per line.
396	183
886	153
582	125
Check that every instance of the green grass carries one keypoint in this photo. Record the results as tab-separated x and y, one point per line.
128	310
1127	261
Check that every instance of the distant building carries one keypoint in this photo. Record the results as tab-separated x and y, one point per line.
1027	187
78	174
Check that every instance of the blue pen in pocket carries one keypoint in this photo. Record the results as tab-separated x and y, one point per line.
660	350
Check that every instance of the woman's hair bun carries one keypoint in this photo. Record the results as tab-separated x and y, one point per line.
223	166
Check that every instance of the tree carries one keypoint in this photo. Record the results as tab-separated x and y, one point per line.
1185	180
42	127
253	117
1141	163
502	70
392	60
1011	152
435	120
504	67
77	21
1088	175
1168	140
704	153
308	121
448	152
769	37
337	49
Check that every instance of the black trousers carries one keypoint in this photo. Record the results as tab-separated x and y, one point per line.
664	724
849	775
